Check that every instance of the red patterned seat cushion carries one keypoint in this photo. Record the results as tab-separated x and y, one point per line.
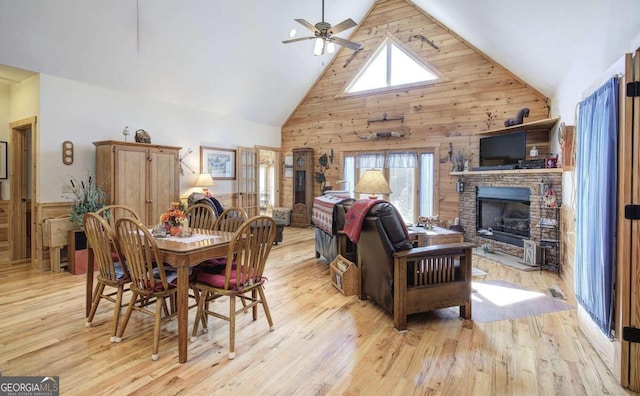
216	280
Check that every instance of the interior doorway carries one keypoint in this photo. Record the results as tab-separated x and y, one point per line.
22	167
269	179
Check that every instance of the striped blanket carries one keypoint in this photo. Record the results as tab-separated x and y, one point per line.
322	212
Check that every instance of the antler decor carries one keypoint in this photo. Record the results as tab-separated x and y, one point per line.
382	134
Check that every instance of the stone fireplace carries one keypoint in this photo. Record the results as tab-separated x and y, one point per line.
503	214
508	202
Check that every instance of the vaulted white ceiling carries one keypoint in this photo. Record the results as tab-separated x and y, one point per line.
226	56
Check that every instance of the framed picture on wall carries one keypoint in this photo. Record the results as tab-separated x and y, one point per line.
4	174
218	162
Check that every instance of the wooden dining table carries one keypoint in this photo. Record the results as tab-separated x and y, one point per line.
181	255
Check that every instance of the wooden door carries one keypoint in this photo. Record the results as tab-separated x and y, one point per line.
271	176
628	249
163	186
248	180
23	179
634	270
130	179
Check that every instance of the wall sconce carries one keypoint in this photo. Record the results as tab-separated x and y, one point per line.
459	186
450	152
331	156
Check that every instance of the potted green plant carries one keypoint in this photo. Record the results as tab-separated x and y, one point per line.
88	197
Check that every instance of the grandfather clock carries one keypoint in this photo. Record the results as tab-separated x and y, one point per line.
302	187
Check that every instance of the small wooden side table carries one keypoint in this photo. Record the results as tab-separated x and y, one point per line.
435	236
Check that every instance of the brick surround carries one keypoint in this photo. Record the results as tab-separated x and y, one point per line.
514	178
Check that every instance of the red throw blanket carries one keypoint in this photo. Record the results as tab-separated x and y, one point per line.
355	216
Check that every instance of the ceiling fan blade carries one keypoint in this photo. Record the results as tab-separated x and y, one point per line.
298	39
306	24
346	43
344	25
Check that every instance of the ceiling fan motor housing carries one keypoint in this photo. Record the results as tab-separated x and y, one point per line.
323	27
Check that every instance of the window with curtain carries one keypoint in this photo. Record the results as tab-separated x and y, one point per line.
411	176
596	181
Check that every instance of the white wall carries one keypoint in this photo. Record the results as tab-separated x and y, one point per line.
23	103
587	73
5	97
84	113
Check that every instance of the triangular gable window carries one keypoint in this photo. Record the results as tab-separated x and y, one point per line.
391	66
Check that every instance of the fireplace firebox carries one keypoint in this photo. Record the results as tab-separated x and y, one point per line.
503	214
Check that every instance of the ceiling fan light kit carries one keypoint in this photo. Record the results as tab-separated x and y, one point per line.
324	35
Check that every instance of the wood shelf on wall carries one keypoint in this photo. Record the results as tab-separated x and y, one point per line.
508	171
545	124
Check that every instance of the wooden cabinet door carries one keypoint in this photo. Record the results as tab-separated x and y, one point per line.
129	184
248	180
163	184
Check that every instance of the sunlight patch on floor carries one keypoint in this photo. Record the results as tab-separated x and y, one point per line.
501	295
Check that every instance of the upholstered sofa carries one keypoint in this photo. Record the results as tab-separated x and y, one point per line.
405	280
329	244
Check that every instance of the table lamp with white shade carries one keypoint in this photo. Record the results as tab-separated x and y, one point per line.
373	183
205	181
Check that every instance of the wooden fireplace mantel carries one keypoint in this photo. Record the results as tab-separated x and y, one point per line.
509	172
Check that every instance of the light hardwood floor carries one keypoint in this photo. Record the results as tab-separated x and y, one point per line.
323	343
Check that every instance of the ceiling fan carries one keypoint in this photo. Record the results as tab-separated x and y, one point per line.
324	35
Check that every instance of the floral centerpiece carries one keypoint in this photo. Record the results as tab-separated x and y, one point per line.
174	218
88	196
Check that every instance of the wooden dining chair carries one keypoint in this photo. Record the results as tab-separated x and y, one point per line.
111	213
242	276
112	273
230	219
201	216
149	278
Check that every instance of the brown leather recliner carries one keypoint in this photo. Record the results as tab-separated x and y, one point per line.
405	280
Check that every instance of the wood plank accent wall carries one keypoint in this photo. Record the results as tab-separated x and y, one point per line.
451	110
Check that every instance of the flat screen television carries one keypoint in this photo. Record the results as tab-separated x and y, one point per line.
505	149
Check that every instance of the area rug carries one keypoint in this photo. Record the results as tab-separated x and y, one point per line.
500	300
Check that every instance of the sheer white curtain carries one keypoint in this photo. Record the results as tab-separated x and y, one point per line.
370	160
401	171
